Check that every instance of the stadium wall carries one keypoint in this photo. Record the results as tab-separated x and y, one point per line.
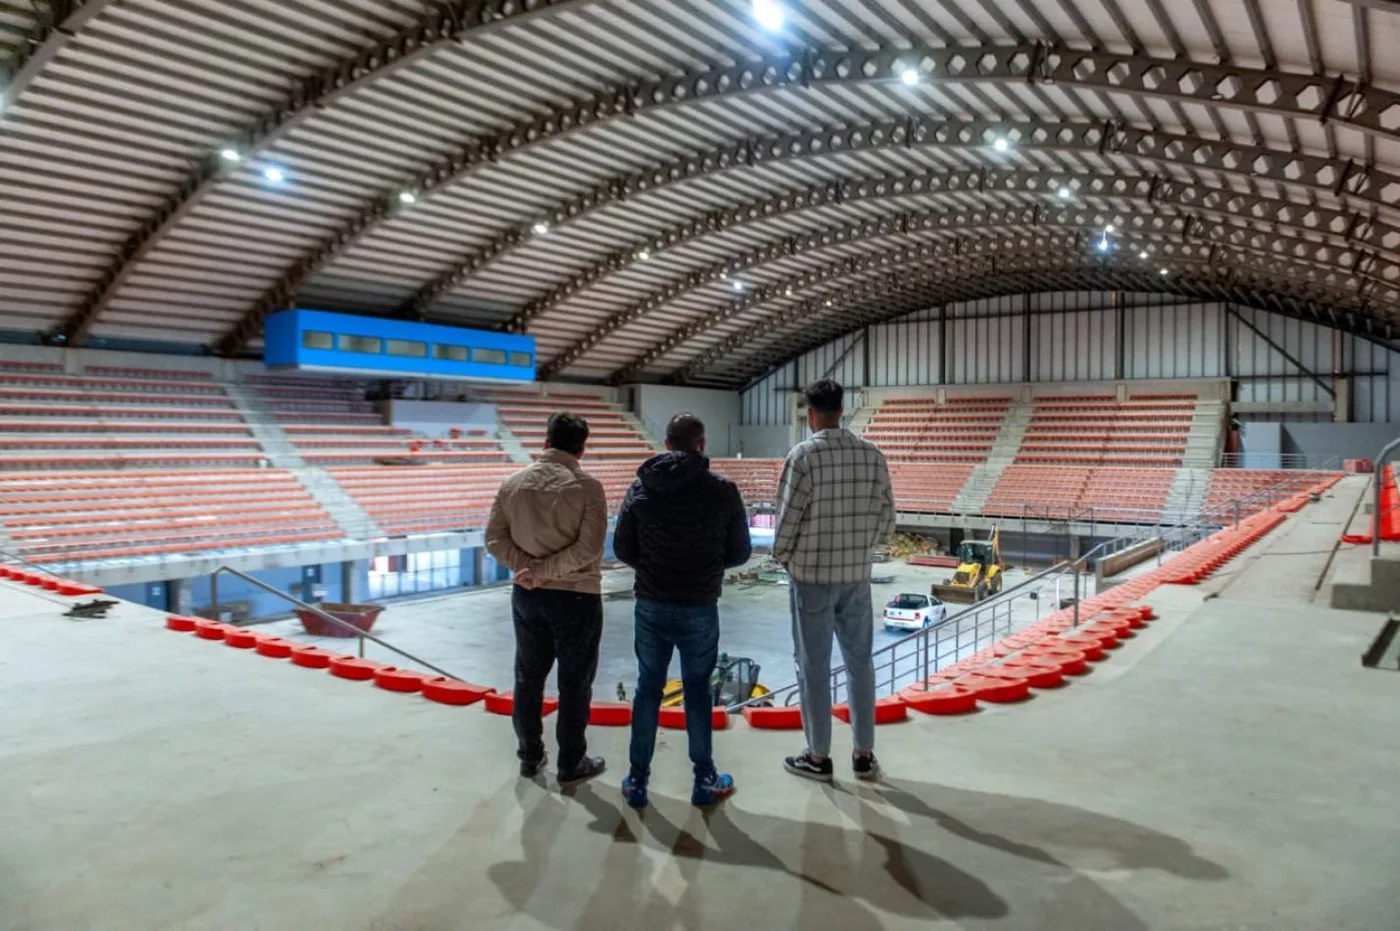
1269	359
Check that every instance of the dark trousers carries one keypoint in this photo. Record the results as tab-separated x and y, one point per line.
693	631
550	625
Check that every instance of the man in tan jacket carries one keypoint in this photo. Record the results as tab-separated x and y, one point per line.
548	525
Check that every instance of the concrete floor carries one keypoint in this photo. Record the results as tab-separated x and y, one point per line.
470	634
1231	767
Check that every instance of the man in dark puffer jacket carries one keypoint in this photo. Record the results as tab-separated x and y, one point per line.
680	526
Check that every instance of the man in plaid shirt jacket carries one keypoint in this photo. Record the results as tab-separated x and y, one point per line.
834	505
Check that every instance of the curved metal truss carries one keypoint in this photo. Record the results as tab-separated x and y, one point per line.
447	23
1372	111
58	21
1370	188
1339	267
1217	268
1201	213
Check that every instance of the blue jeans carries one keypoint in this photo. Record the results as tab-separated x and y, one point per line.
818	611
694	631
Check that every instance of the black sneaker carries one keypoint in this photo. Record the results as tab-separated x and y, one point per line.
587	768
805	766
529	769
867	767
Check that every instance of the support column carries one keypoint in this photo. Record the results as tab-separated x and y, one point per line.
179	596
1076	546
479	557
349	582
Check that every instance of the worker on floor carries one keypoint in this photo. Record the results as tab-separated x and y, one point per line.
835	505
548	525
680	526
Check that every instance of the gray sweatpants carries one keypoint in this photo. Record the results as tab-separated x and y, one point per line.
818	611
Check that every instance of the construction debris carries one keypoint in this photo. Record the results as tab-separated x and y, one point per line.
904	545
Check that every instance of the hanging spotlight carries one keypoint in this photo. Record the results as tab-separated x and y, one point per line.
1165	273
231	155
738	286
1143	255
541	228
274	174
1066	193
1001	144
1104	244
1108	228
408	197
643	255
769	14
909	75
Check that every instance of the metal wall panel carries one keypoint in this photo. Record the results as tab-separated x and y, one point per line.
1173	342
987	345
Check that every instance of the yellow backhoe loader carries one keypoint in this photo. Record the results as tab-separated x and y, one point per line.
978	574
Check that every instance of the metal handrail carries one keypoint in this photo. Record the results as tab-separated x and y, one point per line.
1174	537
362	635
1382	458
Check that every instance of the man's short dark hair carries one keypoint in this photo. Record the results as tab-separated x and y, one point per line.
684	433
567	433
825	396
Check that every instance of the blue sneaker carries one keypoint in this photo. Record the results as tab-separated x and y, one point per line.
710	789
634	789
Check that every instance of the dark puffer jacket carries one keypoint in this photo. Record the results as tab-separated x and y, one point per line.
680	527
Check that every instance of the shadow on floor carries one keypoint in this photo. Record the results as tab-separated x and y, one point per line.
1001	861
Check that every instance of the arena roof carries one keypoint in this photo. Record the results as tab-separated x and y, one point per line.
686	189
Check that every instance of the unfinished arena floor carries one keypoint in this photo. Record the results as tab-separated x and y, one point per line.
1232	767
470	634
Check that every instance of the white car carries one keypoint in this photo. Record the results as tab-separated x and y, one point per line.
914	612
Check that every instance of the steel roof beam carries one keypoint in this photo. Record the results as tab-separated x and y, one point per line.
1344	229
56	27
1317	175
1143	225
450	22
1221	264
1368	109
1096	275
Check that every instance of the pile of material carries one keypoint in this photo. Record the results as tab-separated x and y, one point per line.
904	545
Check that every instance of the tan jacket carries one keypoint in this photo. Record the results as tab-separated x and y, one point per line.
551	517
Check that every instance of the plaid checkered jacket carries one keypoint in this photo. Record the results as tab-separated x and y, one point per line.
834	505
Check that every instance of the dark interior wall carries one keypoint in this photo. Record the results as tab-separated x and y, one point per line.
1319	442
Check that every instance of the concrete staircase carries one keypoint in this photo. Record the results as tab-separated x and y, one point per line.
859	419
512	445
643	431
1187	495
354	520
1369	586
975	491
1009	437
264	426
1203	440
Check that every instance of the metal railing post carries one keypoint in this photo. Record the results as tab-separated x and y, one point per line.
213	596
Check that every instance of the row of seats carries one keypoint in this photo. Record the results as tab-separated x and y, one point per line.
1228	486
610	435
923	430
1064	492
1089	431
61	517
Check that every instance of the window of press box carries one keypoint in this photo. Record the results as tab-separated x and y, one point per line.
371	345
451	353
407	348
313	339
520	360
489	356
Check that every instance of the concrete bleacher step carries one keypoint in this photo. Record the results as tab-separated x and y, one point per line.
511	444
643	431
975	491
1188	492
354	520
859	419
1011	433
1205	436
265	427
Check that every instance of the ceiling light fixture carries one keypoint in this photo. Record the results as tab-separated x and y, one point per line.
408	197
769	14
1002	144
643	255
1143	255
909	75
274	174
231	155
1165	273
540	229
1066	193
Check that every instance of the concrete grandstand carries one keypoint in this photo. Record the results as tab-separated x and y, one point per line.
1119	280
